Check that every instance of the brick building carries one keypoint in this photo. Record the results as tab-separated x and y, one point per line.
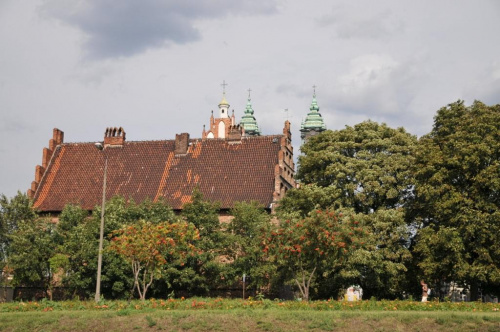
227	164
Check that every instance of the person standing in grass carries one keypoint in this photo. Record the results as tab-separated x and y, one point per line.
424	290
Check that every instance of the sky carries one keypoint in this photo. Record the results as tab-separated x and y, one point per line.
155	67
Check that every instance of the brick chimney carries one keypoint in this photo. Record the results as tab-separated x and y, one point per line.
235	133
114	137
181	143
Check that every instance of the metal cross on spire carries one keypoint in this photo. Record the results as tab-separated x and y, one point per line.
249	90
224	86
314	91
286	113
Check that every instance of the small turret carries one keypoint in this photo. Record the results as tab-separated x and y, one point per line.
224	107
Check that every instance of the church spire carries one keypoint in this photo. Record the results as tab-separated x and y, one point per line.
224	105
313	124
248	121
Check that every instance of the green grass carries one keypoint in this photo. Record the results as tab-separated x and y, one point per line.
258	320
248	315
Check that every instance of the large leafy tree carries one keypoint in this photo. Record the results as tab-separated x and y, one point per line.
319	244
149	247
366	167
458	197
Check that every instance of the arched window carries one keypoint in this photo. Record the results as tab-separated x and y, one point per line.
222	130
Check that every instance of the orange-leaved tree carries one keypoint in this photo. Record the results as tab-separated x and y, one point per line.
320	243
150	246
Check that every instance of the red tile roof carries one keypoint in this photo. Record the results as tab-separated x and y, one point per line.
224	171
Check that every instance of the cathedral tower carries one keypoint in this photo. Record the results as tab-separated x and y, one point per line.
248	121
313	124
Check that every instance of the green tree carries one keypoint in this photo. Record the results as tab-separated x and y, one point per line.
297	203
13	212
203	214
441	254
32	245
457	196
71	221
381	272
366	167
71	216
156	212
121	211
250	221
115	279
79	233
207	269
319	244
149	247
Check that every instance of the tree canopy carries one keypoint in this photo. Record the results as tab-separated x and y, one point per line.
457	196
366	170
365	167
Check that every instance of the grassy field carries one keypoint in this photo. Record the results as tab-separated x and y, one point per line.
239	315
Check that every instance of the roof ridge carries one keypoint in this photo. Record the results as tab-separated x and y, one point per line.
172	139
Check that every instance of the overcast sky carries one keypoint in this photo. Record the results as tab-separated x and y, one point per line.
155	67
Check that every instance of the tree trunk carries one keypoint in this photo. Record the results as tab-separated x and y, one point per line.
474	292
304	284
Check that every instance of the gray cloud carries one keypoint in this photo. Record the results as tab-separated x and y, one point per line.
390	61
128	27
293	90
15	122
354	23
486	87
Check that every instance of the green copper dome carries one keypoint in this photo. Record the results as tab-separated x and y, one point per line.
314	121
248	121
